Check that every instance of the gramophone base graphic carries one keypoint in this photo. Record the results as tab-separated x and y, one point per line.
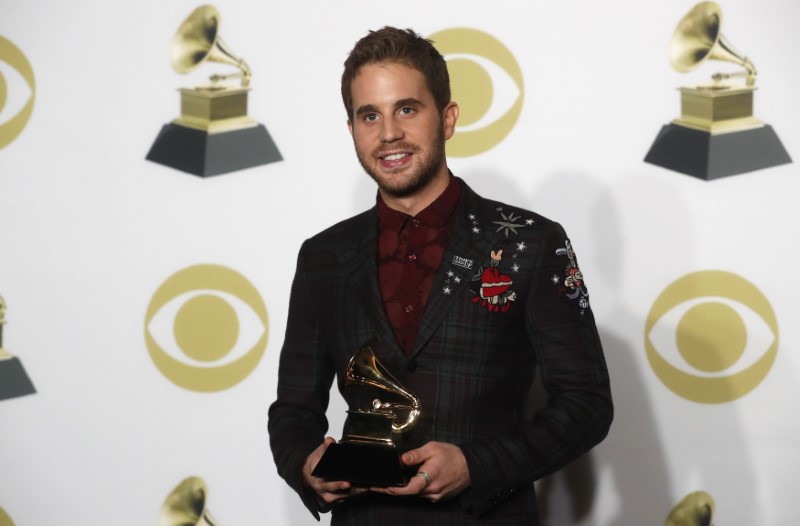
213	135
705	156
13	379
717	136
202	153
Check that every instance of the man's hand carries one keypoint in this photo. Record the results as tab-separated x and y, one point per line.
328	491
445	467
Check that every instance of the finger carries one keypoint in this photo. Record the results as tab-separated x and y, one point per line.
415	486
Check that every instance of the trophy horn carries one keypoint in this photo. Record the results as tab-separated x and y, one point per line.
698	37
186	505
197	40
365	369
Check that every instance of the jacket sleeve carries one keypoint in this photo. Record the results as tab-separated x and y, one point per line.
297	422
561	331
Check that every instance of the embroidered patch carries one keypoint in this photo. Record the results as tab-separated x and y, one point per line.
510	223
451	280
571	285
462	262
495	291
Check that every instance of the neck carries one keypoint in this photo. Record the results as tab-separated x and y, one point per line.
419	201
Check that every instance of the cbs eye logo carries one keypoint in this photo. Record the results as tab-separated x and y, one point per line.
485	78
15	109
206	328
711	337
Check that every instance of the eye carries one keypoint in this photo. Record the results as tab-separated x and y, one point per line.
487	84
17	91
406	110
206	328
711	337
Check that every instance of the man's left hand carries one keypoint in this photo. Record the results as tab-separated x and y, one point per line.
445	467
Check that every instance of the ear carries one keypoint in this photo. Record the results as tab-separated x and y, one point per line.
449	119
350	126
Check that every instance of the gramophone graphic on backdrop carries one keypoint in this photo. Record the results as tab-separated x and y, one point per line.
213	135
13	379
716	134
187	505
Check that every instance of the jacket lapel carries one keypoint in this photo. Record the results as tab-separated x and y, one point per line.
360	256
470	244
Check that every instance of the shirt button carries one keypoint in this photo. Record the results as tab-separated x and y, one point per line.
415	223
409	308
412	257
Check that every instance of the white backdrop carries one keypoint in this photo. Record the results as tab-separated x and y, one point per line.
90	230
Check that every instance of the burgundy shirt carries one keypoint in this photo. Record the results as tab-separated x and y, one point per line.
410	250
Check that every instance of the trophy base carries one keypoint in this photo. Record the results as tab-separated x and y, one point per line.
13	379
374	465
199	152
710	156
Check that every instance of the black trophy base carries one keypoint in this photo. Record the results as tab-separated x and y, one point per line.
201	153
13	379
706	156
362	464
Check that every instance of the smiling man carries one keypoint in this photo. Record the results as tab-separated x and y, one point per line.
466	297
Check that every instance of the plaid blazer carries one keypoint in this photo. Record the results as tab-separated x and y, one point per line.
508	298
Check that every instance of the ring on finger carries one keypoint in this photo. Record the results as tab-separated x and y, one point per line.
425	476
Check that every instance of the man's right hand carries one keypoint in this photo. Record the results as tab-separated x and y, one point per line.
328	491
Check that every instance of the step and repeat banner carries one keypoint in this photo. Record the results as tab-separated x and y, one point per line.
149	233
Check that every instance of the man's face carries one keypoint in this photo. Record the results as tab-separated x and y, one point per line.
398	132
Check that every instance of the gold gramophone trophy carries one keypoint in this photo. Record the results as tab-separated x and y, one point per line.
186	505
213	135
13	379
716	134
366	454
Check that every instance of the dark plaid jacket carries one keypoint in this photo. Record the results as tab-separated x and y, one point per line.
492	319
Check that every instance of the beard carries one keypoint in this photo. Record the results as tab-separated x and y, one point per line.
430	160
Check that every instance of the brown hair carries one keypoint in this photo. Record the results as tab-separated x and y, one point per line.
390	44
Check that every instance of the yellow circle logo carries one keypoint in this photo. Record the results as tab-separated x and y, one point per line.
484	76
5	520
206	328
15	110
705	337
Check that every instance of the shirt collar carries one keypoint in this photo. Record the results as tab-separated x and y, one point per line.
435	215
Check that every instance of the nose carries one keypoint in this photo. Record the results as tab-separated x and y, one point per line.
391	130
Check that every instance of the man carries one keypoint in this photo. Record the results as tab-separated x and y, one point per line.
467	298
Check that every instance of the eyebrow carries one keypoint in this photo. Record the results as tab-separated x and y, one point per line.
402	103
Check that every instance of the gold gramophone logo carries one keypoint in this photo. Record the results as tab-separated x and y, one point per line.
15	109
14	380
206	328
711	337
695	509
716	134
187	505
214	134
484	76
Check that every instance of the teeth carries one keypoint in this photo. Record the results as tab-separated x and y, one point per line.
395	156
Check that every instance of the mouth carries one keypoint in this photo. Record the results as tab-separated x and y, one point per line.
390	160
394	156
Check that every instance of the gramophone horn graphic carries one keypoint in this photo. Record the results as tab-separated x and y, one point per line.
14	380
716	134
213	134
366	454
186	505
695	509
